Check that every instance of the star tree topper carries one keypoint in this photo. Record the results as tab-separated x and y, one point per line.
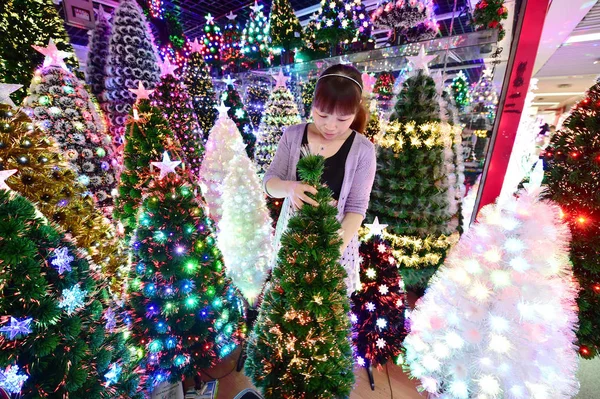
228	81
222	110
196	46
166	68
6	89
281	79
54	56
166	166
231	16
210	19
376	228
5	174
256	8
141	93
421	60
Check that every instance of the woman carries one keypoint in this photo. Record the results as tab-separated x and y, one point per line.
336	133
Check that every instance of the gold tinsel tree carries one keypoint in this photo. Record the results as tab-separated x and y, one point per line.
45	179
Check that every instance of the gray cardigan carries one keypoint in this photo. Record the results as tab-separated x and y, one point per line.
358	176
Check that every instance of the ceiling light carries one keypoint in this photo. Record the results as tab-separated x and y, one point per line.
590	37
541	103
558	94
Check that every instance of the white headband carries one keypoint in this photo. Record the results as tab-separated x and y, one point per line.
342	76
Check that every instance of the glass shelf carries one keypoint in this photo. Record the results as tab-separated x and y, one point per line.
457	52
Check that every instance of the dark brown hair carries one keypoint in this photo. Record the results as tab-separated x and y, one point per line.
336	94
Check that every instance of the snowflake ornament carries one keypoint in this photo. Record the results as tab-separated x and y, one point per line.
381	343
11	381
370	306
72	299
111	321
371	273
383	289
62	260
381	323
114	372
17	327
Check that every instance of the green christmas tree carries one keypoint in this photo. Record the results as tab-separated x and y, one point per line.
231	51
148	136
284	26
335	23
281	112
256	100
299	346
373	126
409	193
172	97
212	41
308	94
573	161
312	49
186	312
255	37
59	339
232	99
196	78
24	23
460	90
59	103
45	178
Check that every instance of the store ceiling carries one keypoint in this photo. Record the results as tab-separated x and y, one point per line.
574	65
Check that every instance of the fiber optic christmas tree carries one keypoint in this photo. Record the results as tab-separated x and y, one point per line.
383	86
172	98
483	96
232	99
231	51
334	23
284	26
245	234
45	179
212	41
148	137
60	105
460	90
299	346
255	37
220	150
498	318
312	49
24	23
362	21
185	313
308	94
196	78
131	60
377	310
54	341
281	112
409	192
256	101
573	159
409	20
374	125
98	53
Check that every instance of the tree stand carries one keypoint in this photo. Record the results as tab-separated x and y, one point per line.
369	369
252	314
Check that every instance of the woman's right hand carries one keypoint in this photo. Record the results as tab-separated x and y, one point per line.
297	191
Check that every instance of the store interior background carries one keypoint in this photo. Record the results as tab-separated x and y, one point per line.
567	64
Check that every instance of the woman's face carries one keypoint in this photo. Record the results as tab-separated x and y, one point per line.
331	126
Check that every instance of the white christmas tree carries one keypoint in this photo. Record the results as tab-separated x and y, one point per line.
498	318
220	149
281	112
245	232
